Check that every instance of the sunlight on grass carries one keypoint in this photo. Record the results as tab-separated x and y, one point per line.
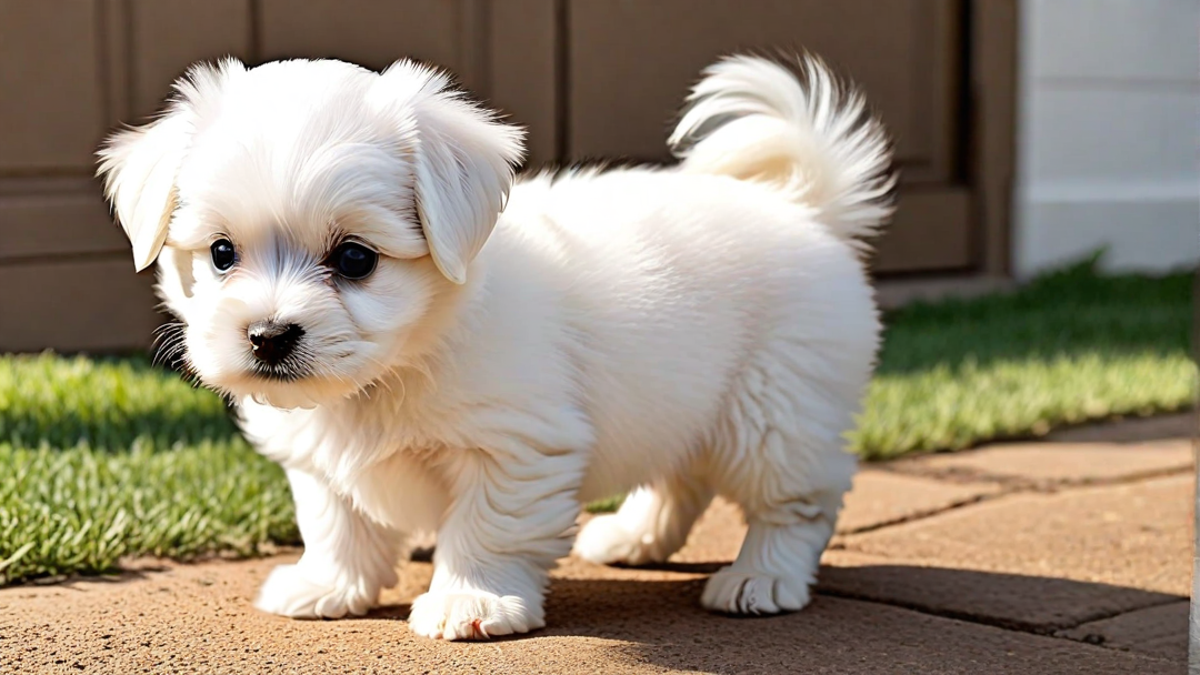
107	457
81	509
950	408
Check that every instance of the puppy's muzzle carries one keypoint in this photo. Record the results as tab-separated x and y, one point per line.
272	342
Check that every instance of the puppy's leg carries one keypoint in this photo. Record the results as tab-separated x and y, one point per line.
510	520
653	523
780	457
347	559
777	563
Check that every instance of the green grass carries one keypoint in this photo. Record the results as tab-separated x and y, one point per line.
103	458
1069	347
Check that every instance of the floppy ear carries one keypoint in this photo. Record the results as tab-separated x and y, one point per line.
139	166
463	164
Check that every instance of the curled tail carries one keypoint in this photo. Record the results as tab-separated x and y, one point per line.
810	134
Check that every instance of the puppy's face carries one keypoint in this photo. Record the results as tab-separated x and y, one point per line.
311	219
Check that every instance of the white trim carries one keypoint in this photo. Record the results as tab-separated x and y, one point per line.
1139	236
1112	192
1107	134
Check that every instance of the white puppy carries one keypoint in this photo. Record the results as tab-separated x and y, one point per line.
420	356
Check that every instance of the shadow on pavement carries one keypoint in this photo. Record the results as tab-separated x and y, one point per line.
880	618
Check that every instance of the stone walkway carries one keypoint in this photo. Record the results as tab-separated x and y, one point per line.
1066	556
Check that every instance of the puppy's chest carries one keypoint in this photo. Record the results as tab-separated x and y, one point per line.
337	444
405	492
349	448
392	473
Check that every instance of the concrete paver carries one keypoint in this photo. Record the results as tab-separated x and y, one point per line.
198	619
1160	631
1036	603
883	498
1136	535
1048	464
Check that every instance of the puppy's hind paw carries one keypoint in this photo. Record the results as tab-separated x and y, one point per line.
605	541
289	592
732	591
471	615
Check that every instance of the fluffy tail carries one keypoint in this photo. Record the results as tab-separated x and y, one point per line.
809	133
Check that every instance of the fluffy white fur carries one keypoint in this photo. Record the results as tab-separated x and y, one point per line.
681	332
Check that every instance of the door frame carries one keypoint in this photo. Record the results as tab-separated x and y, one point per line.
991	127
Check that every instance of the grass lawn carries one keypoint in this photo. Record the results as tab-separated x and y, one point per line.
102	458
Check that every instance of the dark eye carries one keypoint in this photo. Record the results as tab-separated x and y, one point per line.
223	255
353	260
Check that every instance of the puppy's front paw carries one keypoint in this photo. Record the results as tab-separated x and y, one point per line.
472	615
733	591
288	591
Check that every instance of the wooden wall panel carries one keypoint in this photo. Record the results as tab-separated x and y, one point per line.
372	33
52	109
523	71
631	64
55	216
76	305
170	35
931	231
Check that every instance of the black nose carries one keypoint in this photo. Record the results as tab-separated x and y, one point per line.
273	341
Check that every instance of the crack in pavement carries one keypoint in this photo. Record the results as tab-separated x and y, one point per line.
1010	485
962	476
921	514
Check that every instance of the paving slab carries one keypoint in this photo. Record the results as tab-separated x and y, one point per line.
1157	631
1111	452
1131	535
198	619
1051	464
883	498
1035	603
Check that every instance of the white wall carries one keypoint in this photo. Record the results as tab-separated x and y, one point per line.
1108	133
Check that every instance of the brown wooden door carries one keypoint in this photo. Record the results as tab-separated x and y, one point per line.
630	63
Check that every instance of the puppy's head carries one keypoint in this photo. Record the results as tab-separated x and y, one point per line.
309	217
